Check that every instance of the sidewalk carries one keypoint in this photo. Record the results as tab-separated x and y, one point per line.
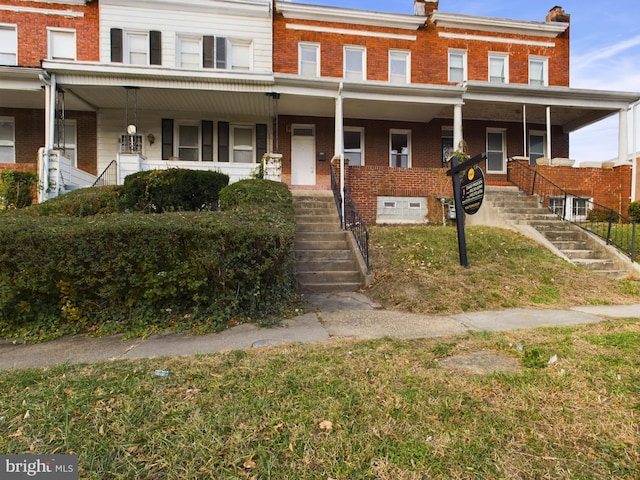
332	315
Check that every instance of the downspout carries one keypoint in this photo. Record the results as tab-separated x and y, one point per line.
339	144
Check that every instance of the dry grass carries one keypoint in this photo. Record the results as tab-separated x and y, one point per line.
417	269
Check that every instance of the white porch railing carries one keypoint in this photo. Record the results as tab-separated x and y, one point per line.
57	175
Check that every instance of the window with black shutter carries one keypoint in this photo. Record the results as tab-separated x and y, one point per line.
223	141
261	141
167	138
207	141
155	47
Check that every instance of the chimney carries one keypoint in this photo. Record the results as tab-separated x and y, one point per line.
424	7
557	14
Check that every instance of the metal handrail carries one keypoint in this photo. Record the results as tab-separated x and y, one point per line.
604	222
352	220
109	175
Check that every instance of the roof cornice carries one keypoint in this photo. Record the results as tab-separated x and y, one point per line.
350	16
498	25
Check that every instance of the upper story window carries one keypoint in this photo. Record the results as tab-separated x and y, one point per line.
189	52
399	66
62	44
8	45
7	140
538	71
241	53
196	51
354	63
498	68
136	47
457	66
309	59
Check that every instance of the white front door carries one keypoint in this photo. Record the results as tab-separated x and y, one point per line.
303	155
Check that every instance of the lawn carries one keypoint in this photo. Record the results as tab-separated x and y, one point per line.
377	409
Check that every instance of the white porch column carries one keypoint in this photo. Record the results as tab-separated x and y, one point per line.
634	154
549	154
339	144
623	137
457	127
524	131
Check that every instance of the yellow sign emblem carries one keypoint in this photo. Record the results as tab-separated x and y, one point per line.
471	173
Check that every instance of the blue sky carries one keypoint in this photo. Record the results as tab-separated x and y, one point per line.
605	50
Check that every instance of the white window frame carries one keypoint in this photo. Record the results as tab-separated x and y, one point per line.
182	39
242	148
178	145
53	32
502	132
127	46
360	150
71	143
9	143
311	46
537	133
355	75
545	71
455	52
233	45
398	131
405	55
9	49
504	57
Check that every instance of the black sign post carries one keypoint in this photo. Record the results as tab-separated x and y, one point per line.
474	193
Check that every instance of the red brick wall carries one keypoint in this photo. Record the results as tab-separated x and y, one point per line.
32	30
429	54
610	187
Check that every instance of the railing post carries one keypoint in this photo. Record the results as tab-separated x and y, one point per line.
564	207
609	228
533	183
633	242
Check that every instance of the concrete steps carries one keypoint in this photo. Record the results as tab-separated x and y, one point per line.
325	261
573	243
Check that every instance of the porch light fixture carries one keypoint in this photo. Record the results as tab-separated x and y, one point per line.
151	138
132	130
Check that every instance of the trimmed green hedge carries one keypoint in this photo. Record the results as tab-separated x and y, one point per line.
83	202
120	272
634	211
175	189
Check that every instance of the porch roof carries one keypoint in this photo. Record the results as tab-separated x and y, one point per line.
20	87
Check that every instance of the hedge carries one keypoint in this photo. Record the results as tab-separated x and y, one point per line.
17	189
179	268
634	211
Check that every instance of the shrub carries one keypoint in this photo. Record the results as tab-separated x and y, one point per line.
123	272
255	194
176	189
82	202
598	215
17	189
634	211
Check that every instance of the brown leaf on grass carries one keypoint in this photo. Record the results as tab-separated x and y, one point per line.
249	464
326	425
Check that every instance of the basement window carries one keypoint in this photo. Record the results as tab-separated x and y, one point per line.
401	210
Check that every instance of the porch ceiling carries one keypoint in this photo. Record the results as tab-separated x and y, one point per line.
22	99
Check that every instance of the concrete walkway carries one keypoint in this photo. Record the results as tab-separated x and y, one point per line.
332	315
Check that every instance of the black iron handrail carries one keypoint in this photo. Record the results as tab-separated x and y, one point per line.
351	219
604	222
109	175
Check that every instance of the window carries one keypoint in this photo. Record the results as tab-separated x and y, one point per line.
447	144
400	142
189	52
354	63
399	66
66	139
8	45
7	140
496	151
189	142
556	205
243	144
215	52
309	59
537	145
498	68
579	208
354	145
457	66
62	44
538	71
136	47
